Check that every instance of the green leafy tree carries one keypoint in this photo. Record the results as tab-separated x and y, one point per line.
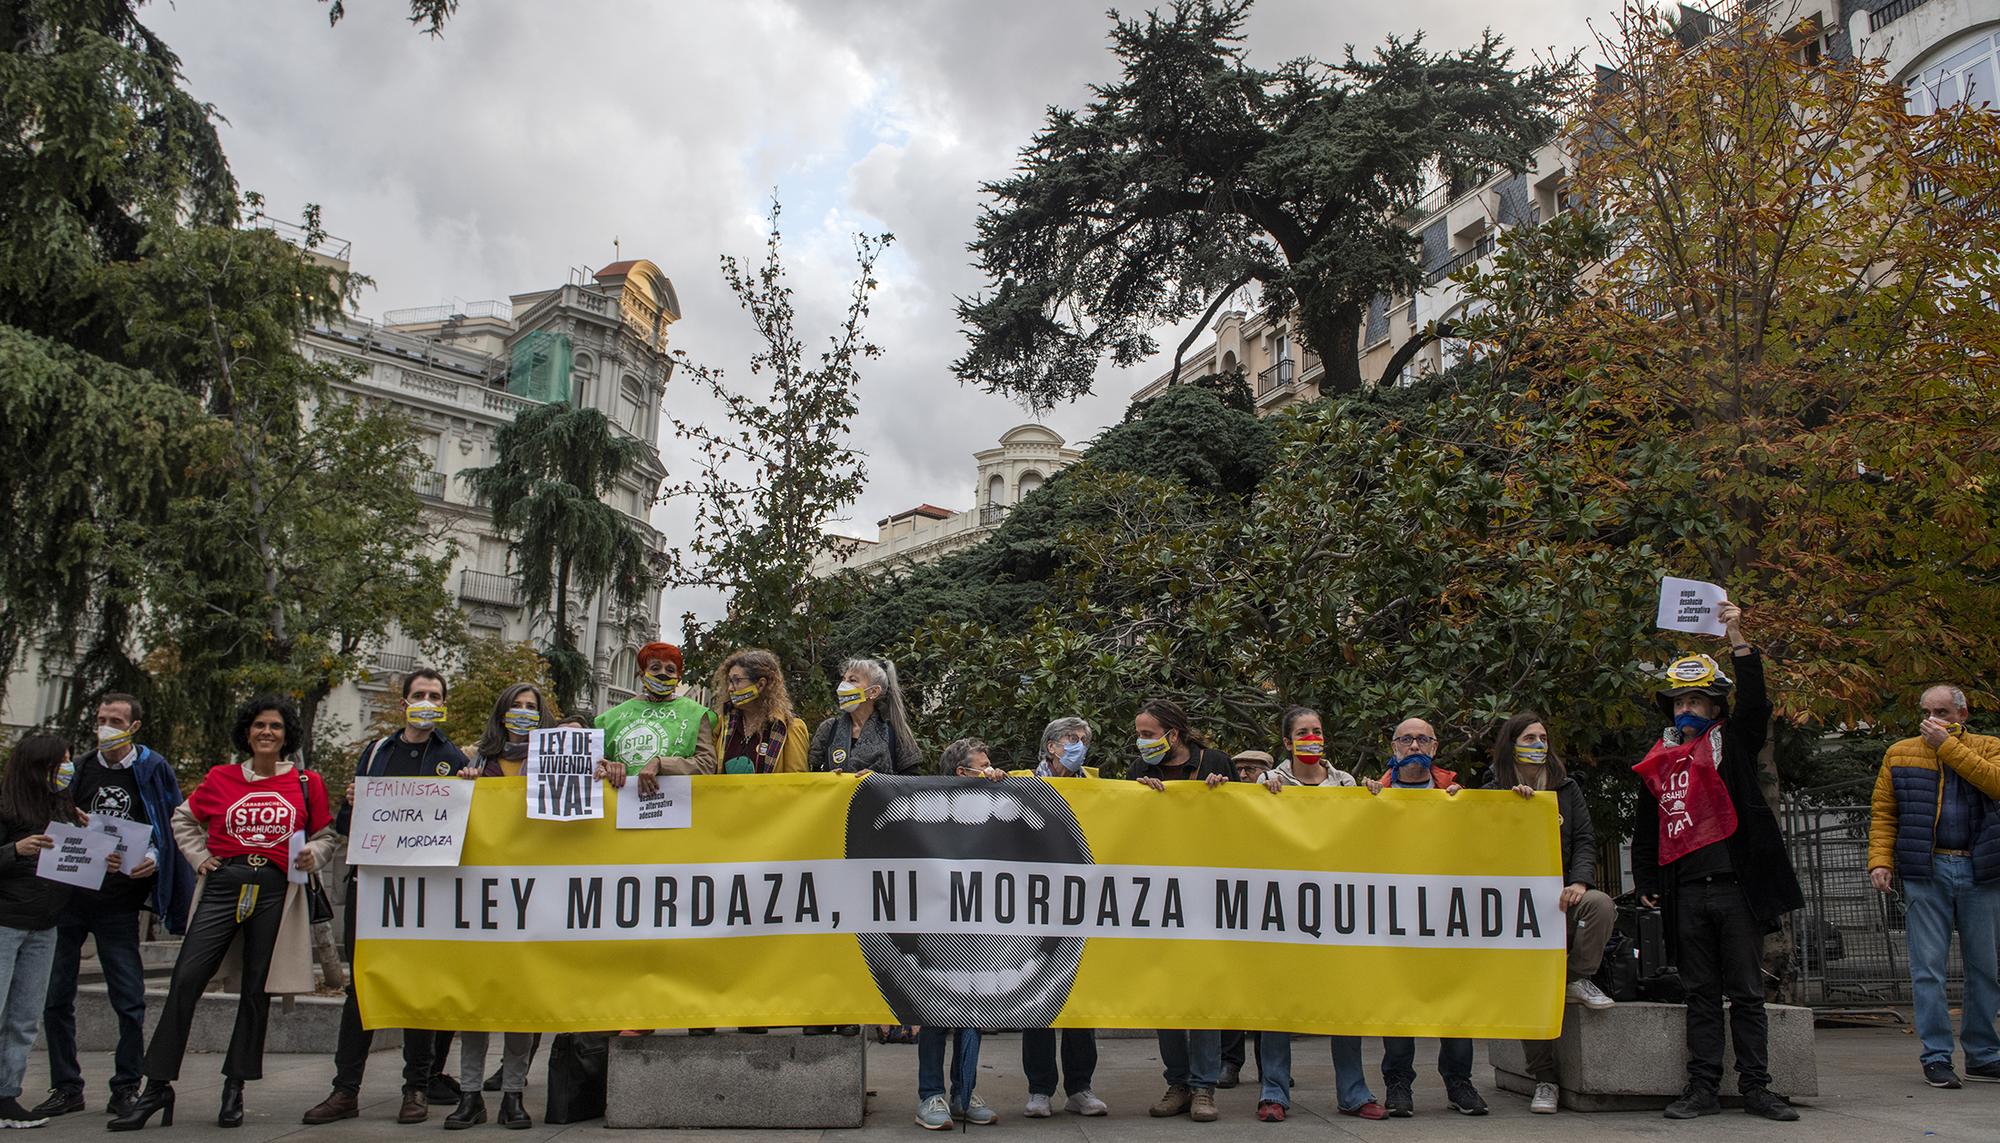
775	470
1196	174
546	488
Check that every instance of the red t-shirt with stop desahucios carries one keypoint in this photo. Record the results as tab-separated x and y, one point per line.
247	815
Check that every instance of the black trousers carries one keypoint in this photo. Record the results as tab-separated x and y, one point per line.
211	931
1038	1059
1722	955
1234	1051
350	1053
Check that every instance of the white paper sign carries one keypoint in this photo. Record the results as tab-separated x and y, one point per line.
134	838
77	858
561	773
409	821
671	807
295	845
1690	605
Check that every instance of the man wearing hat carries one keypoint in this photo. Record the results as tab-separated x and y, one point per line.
1711	854
661	730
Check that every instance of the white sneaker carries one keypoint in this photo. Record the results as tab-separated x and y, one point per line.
1586	993
1038	1107
1086	1103
1548	1097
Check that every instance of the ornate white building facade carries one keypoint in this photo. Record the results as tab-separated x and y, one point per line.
1025	458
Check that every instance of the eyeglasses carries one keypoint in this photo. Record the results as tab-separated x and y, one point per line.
1415	740
1073	737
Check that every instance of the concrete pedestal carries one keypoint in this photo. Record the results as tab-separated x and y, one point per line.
309	1024
779	1080
1634	1057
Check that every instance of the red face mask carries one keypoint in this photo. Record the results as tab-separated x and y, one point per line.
1309	747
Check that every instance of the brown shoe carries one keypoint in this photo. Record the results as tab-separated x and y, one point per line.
416	1106
1202	1108
334	1108
1175	1102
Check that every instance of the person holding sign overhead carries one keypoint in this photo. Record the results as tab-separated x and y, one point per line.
871	732
236	829
762	735
419	750
29	802
659	731
1706	846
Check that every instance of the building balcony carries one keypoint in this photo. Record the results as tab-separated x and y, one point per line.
431	485
990	514
1275	379
486	587
1460	260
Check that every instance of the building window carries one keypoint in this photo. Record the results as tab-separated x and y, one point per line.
996	491
1964	72
1030	480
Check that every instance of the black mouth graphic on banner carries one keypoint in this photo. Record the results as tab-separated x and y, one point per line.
967	980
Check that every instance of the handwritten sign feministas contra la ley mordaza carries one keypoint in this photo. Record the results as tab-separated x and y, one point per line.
409	821
561	773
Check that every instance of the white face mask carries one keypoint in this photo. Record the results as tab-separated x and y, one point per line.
850	695
112	738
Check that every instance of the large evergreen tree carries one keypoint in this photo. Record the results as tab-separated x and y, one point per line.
1196	174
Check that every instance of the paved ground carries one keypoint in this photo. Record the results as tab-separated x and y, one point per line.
1872	1091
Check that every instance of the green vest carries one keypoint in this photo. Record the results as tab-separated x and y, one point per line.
637	731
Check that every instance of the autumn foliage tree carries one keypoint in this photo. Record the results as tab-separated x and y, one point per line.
1799	302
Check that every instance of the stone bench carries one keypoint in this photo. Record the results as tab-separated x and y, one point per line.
782	1079
308	1024
1634	1057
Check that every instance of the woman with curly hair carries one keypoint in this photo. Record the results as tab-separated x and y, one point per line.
761	734
236	829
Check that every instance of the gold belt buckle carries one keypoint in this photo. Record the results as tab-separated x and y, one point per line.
257	861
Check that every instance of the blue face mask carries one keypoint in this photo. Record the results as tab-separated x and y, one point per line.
1072	755
1396	769
1690	724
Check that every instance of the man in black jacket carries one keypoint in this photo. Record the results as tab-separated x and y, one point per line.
419	750
1722	897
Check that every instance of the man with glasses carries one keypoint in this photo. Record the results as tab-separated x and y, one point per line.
1411	768
1936	822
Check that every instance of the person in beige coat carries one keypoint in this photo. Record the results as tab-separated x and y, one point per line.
239	829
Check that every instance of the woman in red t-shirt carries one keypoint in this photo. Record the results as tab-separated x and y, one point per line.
237	830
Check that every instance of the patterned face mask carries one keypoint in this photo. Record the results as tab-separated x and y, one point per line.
521	719
1151	750
851	695
111	738
423	714
659	686
1531	755
1309	747
745	694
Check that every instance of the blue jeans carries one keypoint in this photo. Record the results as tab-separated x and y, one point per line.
117	936
964	1063
1274	1067
1193	1059
25	957
1937	903
1399	1060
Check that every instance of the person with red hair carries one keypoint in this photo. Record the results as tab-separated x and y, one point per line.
661	730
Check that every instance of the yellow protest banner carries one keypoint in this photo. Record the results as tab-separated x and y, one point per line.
825	899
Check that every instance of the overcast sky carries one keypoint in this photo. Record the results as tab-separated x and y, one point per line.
495	159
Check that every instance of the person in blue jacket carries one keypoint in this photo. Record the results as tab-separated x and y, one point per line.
119	779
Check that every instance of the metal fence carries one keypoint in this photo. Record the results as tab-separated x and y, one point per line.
1850	949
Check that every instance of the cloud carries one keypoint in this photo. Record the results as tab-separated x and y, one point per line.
515	148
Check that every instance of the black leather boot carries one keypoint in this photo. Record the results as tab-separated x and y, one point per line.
512	1115
231	1112
471	1111
159	1097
